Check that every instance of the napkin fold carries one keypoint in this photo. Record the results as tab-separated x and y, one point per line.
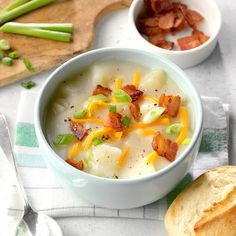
47	196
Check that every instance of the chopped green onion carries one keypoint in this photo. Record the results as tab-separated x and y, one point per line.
88	158
100	97
112	108
186	141
97	140
14	55
28	65
4	45
153	115
126	121
174	129
121	96
19	28
22	9
80	114
7	61
28	84
63	139
85	163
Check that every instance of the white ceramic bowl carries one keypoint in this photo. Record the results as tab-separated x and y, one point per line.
117	193
211	26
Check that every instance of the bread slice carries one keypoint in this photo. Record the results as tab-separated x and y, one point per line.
207	207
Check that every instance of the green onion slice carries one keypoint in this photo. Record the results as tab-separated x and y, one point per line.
121	96
7	61
174	129
97	140
153	114
112	108
14	55
80	114
28	65
4	45
126	121
63	139
186	141
28	84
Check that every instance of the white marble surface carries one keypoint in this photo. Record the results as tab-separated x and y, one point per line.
214	77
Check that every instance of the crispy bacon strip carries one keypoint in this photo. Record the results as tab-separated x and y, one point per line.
179	23
102	90
200	36
171	103
135	111
134	93
167	21
148	8
165	45
156	39
78	130
193	17
77	164
188	42
114	120
164	147
161	6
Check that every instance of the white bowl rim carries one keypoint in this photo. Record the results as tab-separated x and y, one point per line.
182	156
174	52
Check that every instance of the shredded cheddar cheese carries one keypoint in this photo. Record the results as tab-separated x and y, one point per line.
151	157
147	132
123	156
152	99
184	120
164	121
136	81
89	120
74	150
88	141
93	105
118	83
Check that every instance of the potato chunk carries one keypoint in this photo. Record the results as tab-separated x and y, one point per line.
104	161
156	79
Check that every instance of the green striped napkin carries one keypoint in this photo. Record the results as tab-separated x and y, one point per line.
49	197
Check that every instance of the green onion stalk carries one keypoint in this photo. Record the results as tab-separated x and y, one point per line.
22	9
18	28
13	5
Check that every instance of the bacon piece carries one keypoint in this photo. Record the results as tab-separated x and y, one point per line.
148	26
135	111
166	21
77	164
152	31
179	6
134	93
164	147
193	17
78	130
114	120
171	103
165	44
200	36
188	42
148	8
179	23
156	39
161	6
102	90
150	22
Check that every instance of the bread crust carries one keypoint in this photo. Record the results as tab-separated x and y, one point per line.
207	207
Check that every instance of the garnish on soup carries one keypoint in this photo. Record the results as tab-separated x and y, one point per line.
127	121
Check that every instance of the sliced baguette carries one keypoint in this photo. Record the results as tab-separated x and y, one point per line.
207	207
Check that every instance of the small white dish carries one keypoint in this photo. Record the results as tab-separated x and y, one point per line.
189	58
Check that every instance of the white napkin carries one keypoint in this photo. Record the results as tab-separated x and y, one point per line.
47	196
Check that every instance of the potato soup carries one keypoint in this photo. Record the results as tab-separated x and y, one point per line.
119	120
